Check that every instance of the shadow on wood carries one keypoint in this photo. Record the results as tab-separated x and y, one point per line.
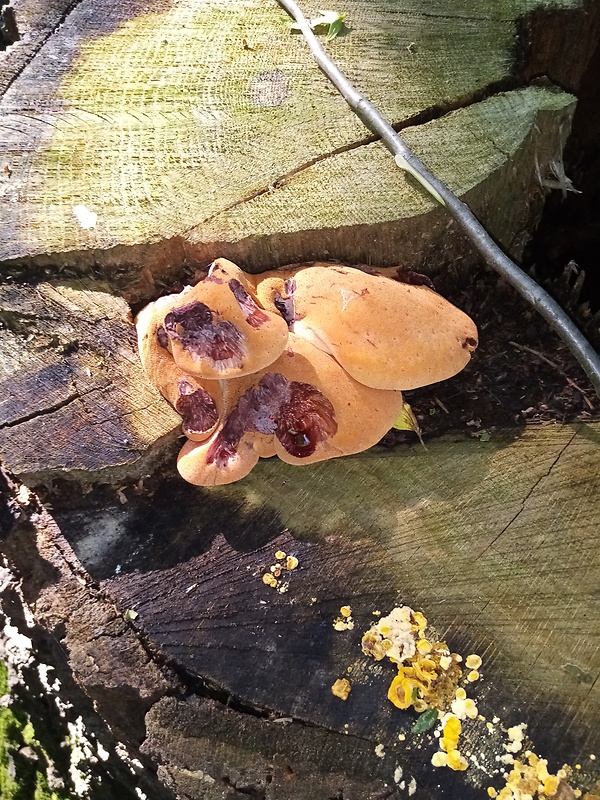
495	542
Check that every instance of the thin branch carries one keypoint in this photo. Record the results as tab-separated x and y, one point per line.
489	250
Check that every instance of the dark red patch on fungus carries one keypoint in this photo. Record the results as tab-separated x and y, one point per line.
222	450
470	343
285	304
297	413
197	408
413	278
221	342
305	421
162	337
255	316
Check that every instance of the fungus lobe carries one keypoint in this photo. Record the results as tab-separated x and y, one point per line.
255	316
305	363
194	326
298	414
197	408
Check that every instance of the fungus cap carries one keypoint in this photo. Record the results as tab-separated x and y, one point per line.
386	334
303	408
305	363
218	331
228	454
363	414
194	466
200	403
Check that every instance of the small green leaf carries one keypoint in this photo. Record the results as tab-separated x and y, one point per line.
330	21
335	28
426	720
406	420
130	615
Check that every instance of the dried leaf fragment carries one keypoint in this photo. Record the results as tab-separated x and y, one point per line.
332	21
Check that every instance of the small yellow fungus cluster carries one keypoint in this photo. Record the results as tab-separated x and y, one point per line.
344	622
394	636
531	779
283	563
449	755
427	672
515	738
428	677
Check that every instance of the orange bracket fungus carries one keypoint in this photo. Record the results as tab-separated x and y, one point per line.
306	363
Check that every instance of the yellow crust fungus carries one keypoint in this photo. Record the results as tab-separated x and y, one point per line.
341	688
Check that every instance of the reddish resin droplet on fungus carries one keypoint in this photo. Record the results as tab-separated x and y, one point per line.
255	316
193	325
197	408
306	420
297	413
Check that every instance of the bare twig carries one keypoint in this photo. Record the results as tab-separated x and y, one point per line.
441	405
524	349
489	250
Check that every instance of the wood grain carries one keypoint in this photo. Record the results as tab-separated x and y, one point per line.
74	400
496	542
156	118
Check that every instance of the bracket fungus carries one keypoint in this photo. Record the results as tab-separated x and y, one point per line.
307	363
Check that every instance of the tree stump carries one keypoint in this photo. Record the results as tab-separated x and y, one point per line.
141	140
192	130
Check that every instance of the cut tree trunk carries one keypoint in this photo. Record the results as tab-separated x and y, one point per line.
198	129
142	140
496	542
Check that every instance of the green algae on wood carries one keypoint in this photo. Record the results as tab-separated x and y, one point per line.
161	121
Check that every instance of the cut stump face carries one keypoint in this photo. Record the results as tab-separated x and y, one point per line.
306	363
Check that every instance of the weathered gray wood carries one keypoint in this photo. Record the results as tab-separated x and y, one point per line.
180	146
496	542
74	400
